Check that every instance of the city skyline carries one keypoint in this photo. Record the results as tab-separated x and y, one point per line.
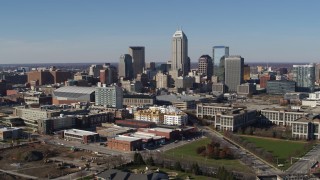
79	31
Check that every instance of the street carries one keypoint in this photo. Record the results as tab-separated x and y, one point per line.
303	165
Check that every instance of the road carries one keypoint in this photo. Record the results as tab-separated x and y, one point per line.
303	165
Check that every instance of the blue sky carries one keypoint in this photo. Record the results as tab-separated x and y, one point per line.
40	31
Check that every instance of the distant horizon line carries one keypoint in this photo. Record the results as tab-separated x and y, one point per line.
146	62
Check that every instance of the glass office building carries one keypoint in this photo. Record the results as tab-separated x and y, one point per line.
304	76
219	53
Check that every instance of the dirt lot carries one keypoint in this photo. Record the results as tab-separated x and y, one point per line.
33	160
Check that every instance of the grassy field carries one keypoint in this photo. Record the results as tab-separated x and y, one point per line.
280	149
188	153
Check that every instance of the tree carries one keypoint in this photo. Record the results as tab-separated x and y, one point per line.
150	161
195	169
137	159
177	166
201	149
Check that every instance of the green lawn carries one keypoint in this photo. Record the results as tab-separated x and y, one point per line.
280	149
188	153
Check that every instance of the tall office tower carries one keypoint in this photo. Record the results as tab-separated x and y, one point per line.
317	73
233	72
180	59
304	76
205	66
219	53
162	80
125	67
94	70
151	65
108	74
246	72
138	55
111	96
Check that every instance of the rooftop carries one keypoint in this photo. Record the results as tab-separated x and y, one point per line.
162	129
179	98
126	138
79	132
8	129
75	90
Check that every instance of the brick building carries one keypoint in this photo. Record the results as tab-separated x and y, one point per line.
125	143
81	135
48	77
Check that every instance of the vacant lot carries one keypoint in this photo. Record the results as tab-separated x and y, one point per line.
188	152
281	149
33	160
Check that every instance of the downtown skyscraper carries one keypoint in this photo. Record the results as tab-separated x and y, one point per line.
219	53
180	60
125	67
304	76
233	72
138	55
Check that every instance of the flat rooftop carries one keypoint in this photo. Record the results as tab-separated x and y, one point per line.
126	138
162	129
179	98
8	129
79	132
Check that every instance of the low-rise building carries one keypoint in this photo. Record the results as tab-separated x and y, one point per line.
162	115
8	133
280	87
50	125
81	136
94	119
113	130
169	134
306	128
281	116
234	119
246	89
125	143
138	99
73	94
211	109
175	119
218	88
135	123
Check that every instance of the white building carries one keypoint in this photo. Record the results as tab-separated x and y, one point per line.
111	96
175	119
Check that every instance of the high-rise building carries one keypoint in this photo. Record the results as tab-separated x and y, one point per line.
94	70
180	60
246	72
218	54
162	80
264	78
109	96
205	66
108	74
304	76
317	73
138	55
151	65
233	72
125	67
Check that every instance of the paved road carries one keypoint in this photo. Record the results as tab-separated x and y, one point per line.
303	165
